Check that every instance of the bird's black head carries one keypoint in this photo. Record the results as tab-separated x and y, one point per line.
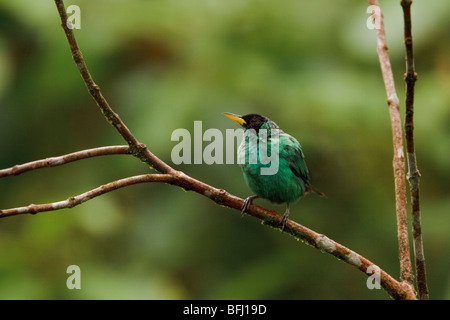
252	121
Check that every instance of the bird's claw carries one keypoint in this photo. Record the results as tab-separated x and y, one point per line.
247	203
283	221
285	218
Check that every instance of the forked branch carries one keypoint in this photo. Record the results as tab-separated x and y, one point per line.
138	149
398	290
399	158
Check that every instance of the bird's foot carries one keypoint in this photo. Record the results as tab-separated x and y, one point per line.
247	203
285	218
284	221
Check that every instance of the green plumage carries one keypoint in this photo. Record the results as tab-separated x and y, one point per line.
291	179
288	183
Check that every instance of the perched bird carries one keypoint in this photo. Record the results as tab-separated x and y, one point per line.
291	178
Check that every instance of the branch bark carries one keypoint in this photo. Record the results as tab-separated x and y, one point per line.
413	171
398	290
57	161
138	149
399	158
79	199
321	242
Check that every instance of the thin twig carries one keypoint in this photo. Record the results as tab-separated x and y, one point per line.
413	171
67	158
138	149
76	200
399	158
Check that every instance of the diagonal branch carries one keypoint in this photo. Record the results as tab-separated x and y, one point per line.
413	171
74	201
399	158
397	290
67	158
321	242
138	149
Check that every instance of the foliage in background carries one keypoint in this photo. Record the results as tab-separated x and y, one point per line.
311	67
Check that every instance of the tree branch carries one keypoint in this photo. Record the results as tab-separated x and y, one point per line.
57	161
413	171
138	149
74	201
398	290
399	158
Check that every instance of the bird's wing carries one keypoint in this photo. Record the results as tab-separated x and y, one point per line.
292	151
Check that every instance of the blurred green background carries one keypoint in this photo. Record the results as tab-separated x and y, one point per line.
311	66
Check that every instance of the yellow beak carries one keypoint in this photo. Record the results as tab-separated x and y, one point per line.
235	118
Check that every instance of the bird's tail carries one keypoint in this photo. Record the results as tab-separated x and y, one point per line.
311	188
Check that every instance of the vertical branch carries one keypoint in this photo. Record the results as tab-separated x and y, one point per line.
399	158
413	171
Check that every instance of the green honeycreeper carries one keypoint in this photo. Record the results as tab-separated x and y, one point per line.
291	179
